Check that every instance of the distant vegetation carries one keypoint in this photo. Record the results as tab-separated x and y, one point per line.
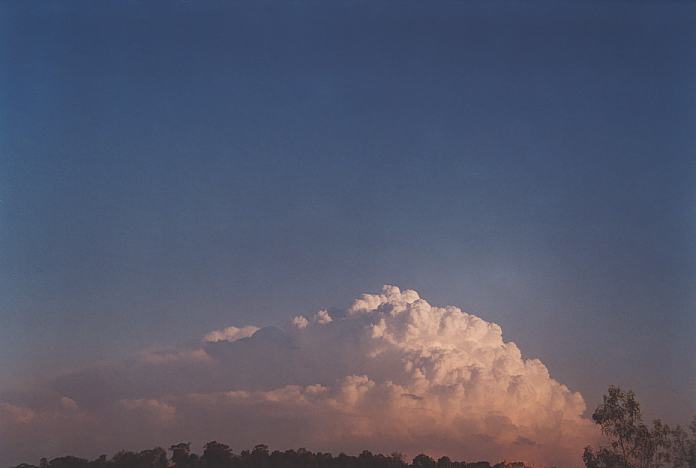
218	455
629	444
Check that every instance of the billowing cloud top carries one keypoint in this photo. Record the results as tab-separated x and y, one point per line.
391	373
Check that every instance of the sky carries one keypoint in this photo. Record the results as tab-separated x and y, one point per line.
169	169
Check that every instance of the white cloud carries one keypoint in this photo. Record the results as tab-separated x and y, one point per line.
230	334
393	373
323	317
299	322
152	408
16	414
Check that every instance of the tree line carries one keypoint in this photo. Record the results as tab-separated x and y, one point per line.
219	455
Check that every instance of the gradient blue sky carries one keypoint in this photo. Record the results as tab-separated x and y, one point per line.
171	168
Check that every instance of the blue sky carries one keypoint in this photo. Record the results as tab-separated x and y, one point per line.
171	168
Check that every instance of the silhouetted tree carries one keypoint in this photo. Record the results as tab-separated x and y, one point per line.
152	458
683	447
180	454
68	462
423	461
101	462
217	455
444	462
632	444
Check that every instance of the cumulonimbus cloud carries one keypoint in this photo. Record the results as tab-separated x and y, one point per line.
391	373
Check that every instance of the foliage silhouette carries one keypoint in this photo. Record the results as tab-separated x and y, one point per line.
219	455
632	444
